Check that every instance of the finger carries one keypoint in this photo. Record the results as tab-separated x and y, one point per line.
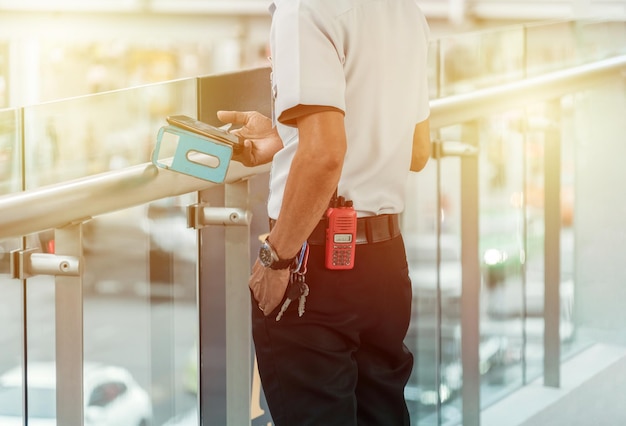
255	282
243	153
247	152
235	117
276	287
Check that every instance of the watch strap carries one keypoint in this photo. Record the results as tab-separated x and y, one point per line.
282	263
277	262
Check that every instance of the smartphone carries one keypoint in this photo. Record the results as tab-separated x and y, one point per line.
203	129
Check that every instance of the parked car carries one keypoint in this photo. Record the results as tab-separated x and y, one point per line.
112	396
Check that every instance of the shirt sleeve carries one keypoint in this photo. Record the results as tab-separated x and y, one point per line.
307	59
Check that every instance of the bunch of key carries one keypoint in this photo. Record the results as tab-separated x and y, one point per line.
297	287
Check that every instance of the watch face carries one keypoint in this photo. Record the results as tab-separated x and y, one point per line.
265	255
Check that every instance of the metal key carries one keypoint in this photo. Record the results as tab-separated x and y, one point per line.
302	299
295	290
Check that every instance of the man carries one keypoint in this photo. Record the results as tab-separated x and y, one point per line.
350	118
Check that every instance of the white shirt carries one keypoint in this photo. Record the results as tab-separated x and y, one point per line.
368	59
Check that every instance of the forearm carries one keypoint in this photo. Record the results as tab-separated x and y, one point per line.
306	199
313	178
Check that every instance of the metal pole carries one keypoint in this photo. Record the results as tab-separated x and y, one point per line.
470	295
552	251
238	327
69	331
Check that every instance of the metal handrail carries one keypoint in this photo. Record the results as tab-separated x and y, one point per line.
482	102
73	201
55	206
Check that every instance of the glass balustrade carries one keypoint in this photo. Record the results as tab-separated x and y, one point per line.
84	136
139	264
11	172
12	297
140	309
471	61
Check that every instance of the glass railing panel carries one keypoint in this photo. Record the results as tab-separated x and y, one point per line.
512	238
11	339
551	47
26	338
501	253
596	127
83	136
4	74
469	61
11	290
10	152
550	122
601	39
434	335
140	308
41	329
475	60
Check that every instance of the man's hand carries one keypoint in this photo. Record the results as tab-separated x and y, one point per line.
259	139
268	286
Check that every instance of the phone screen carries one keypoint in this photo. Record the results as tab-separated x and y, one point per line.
203	128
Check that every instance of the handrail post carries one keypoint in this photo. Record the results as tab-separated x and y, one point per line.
470	294
552	252
223	304
238	327
69	331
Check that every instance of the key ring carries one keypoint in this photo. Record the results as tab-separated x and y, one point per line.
302	260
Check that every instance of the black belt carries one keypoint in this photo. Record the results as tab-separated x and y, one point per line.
371	229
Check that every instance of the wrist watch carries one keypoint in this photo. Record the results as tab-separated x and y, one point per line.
269	258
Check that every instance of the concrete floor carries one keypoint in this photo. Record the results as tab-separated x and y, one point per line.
592	392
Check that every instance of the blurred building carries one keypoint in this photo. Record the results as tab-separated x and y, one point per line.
53	50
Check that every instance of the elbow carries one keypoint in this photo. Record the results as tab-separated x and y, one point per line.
420	156
421	146
417	164
332	161
327	162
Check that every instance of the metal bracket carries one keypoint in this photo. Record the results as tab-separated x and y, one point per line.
201	215
453	149
29	262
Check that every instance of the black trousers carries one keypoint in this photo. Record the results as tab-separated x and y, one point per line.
344	361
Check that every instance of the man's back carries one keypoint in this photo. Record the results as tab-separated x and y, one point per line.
366	58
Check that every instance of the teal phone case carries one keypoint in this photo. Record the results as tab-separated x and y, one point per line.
192	145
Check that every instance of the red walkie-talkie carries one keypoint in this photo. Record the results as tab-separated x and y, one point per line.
340	235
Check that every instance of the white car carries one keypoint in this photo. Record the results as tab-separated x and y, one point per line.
112	396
